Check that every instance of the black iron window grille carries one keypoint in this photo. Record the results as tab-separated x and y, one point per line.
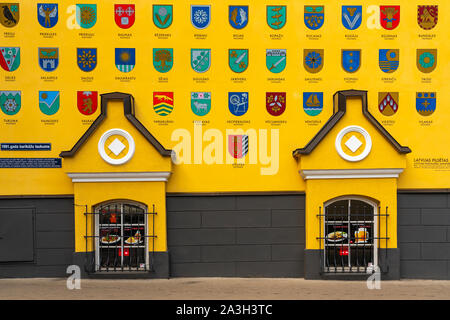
121	237
350	236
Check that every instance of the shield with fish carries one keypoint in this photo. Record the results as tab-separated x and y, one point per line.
238	16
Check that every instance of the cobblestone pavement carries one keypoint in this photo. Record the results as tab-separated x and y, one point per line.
222	289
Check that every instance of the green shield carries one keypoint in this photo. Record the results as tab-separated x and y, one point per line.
276	17
238	59
10	58
200	60
10	102
86	15
163	59
201	103
276	60
49	102
162	15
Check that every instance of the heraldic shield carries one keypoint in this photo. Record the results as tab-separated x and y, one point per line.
389	17
426	103
238	146
200	16
238	16
47	14
389	60
426	60
313	60
276	60
86	15
351	17
314	17
162	15
276	17
9	14
124	15
351	60
427	16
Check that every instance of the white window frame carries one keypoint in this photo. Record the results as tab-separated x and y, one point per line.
374	205
97	232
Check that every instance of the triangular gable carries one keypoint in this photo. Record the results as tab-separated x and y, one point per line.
128	104
340	106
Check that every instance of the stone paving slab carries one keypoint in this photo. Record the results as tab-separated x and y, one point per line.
223	289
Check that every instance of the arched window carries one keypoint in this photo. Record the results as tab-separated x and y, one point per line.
350	235
121	236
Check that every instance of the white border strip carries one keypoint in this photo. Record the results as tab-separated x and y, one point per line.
119	176
350	173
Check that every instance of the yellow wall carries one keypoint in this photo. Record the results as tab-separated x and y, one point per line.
145	159
320	191
148	193
425	141
88	194
382	154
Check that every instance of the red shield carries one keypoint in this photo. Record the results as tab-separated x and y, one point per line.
389	17
238	145
87	102
275	102
124	15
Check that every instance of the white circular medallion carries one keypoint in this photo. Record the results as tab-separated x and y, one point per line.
353	143
116	146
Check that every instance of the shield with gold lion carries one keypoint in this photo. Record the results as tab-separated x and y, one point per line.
427	16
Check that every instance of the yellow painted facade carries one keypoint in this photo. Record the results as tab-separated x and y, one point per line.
426	141
92	194
382	191
89	194
275	169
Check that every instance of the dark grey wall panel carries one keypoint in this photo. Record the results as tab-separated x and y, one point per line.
423	235
53	233
17	234
236	235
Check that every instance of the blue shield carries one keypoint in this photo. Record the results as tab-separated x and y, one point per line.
312	103
425	103
238	103
388	60
47	14
351	60
351	17
125	59
314	17
87	58
238	16
48	58
200	16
